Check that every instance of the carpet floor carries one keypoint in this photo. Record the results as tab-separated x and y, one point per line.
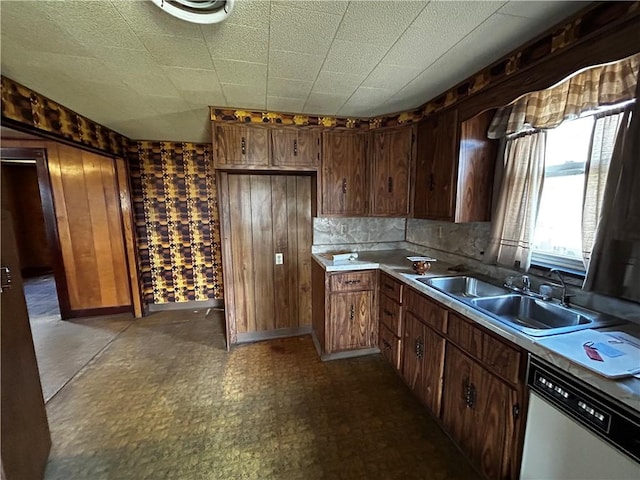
164	400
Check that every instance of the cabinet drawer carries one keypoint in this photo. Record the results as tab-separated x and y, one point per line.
391	315
426	311
465	335
391	287
390	346
501	358
352	281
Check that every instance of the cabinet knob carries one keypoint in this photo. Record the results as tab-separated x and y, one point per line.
419	347
344	185
470	395
387	345
243	145
295	148
352	312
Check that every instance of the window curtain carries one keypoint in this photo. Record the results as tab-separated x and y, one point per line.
603	139
598	86
614	268
518	201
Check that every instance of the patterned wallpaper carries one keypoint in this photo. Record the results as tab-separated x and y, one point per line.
177	222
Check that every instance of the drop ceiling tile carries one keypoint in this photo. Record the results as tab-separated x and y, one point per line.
366	96
391	77
126	60
178	51
304	31
351	110
192	79
454	18
285	104
549	12
93	23
354	58
238	42
241	73
418	48
327	6
151	82
250	13
324	103
298	66
244	96
379	23
286	87
198	98
145	18
337	83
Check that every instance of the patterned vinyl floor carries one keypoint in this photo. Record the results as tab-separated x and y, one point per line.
165	401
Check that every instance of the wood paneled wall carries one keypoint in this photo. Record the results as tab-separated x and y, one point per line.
176	215
87	203
265	215
20	195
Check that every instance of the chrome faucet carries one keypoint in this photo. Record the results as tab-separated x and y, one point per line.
526	284
564	300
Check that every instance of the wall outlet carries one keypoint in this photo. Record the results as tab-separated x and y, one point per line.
279	258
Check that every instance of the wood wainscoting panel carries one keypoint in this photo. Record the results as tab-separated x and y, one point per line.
267	215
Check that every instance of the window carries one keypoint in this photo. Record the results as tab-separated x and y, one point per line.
557	239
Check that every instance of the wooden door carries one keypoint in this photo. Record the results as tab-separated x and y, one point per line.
295	147
436	167
241	145
265	215
89	224
351	327
390	172
25	430
344	176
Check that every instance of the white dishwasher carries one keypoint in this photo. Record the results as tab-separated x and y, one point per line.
576	432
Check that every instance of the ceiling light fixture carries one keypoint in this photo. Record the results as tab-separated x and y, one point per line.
197	11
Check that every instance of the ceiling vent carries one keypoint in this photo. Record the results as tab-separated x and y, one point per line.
197	11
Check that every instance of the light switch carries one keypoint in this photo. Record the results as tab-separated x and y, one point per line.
279	258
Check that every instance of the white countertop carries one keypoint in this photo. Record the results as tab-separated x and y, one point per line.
394	263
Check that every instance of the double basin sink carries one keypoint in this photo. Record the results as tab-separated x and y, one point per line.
532	316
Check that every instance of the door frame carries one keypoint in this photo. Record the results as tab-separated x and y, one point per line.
51	228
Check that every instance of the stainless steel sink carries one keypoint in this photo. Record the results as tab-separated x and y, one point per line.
463	286
539	318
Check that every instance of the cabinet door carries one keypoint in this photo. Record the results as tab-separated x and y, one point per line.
344	173
413	352
352	326
436	167
241	145
391	157
295	147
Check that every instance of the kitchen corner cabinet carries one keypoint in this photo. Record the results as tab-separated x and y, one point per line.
344	173
295	147
454	168
423	349
344	304
237	144
390	168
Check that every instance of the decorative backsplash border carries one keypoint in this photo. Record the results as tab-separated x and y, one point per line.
562	37
177	223
23	105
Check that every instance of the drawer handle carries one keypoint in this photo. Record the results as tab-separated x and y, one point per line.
470	394
386	344
243	145
295	148
419	347
344	185
387	313
388	286
352	282
352	312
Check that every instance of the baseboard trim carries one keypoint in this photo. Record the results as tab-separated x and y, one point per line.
271	334
194	305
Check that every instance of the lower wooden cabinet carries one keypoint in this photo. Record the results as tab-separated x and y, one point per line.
423	358
480	412
390	347
344	310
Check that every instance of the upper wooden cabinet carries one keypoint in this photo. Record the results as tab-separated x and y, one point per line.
240	145
454	168
344	173
390	167
291	146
